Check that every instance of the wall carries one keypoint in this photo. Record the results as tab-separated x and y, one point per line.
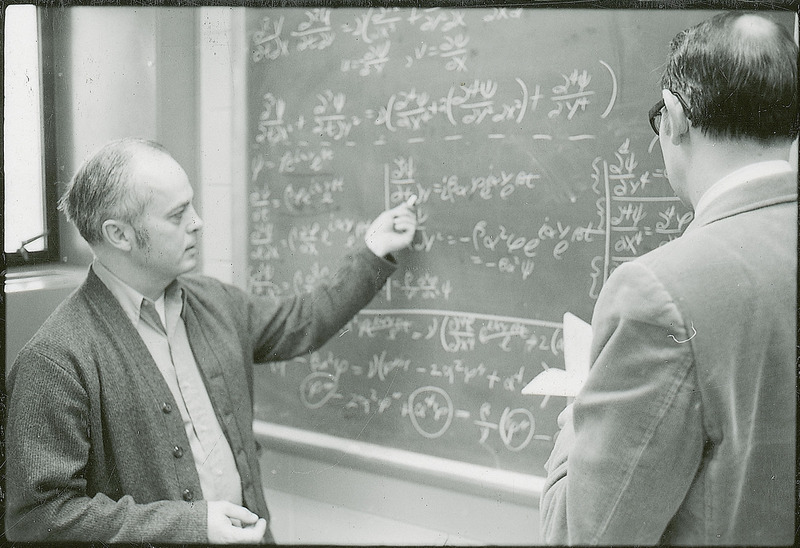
122	72
165	74
222	142
119	71
30	296
315	501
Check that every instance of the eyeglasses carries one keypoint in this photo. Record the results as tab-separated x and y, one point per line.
655	113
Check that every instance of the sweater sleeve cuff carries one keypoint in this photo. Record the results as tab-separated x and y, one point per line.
381	267
374	261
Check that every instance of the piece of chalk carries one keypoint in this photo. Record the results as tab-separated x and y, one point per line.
411	201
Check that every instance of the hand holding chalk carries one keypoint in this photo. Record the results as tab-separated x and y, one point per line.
409	204
393	229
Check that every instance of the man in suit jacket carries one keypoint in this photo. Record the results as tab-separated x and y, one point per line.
130	412
684	432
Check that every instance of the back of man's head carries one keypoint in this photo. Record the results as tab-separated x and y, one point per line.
103	188
738	73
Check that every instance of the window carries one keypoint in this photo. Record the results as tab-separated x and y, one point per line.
30	217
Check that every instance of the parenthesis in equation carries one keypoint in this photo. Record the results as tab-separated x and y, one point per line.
554	341
389	107
524	106
613	89
508	415
450	106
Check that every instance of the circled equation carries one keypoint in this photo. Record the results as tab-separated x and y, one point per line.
431	411
318	388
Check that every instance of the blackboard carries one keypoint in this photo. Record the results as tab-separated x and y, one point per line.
524	134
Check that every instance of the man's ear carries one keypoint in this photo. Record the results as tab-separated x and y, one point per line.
678	122
118	234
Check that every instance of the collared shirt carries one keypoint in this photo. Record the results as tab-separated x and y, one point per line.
739	177
168	344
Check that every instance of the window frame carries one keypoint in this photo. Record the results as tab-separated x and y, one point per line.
51	252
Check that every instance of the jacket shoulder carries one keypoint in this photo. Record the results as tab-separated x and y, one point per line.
211	292
70	322
66	337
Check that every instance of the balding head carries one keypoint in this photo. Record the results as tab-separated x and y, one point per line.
750	26
738	72
104	187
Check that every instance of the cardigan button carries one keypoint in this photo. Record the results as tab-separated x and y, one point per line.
166	407
187	495
177	451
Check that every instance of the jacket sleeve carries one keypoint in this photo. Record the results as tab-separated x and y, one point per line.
285	328
47	449
632	444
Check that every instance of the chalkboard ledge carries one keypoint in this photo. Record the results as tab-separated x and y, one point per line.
512	487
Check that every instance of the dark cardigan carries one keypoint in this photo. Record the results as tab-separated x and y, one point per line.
92	424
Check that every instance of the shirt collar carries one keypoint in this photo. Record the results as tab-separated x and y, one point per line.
740	177
169	304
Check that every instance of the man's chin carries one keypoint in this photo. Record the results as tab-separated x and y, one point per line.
190	265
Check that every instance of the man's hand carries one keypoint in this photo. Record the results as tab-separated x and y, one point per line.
393	229
232	524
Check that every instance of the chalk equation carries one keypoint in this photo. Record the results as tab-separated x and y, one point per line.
625	209
631	216
429	408
523	135
372	30
477	103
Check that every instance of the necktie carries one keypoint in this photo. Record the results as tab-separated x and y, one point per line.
149	314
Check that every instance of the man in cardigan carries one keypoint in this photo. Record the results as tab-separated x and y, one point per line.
130	411
684	432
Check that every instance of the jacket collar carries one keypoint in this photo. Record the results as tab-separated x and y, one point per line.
756	193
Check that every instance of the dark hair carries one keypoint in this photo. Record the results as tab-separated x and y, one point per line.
101	189
739	82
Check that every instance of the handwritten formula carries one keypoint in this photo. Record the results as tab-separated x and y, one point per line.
523	135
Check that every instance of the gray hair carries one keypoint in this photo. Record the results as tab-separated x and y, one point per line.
101	189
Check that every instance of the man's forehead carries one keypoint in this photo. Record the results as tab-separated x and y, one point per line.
148	159
161	181
157	169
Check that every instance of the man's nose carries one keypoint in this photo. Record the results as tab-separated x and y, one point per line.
197	222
